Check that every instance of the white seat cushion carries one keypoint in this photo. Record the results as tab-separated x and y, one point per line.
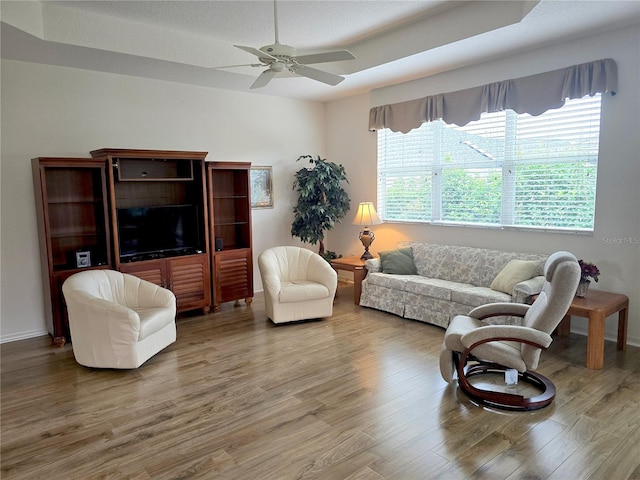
301	291
153	320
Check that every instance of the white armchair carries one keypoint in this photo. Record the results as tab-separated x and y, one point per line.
298	284
117	320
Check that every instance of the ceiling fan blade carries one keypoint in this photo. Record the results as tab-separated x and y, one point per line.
255	51
263	79
241	65
315	74
335	56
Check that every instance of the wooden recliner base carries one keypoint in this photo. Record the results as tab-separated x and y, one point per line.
502	400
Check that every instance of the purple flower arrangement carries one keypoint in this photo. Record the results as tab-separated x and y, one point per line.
589	270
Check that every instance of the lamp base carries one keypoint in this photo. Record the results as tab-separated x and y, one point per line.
366	237
366	255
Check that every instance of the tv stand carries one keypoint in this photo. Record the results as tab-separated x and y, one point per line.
162	178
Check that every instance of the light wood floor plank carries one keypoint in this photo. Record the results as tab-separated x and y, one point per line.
357	396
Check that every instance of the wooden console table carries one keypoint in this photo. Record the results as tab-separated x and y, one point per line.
596	307
355	265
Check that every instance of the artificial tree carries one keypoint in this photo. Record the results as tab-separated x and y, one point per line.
322	201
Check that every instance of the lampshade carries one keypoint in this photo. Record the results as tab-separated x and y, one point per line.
366	215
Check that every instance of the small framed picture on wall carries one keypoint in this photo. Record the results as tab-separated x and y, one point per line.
261	187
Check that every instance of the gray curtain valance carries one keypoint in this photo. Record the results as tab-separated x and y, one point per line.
534	94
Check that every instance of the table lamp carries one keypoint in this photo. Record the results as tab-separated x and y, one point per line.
366	216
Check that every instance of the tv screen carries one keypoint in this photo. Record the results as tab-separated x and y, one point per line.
169	230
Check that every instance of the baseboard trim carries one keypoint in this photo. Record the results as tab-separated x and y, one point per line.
14	337
634	342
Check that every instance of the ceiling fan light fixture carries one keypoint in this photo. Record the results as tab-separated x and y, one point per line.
279	57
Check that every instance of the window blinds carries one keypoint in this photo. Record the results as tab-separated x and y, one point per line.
506	169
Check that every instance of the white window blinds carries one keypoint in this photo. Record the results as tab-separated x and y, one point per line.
506	169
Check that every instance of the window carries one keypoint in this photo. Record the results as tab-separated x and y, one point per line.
506	169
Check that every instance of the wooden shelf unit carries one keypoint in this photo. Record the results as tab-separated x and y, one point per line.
73	219
78	202
229	191
162	178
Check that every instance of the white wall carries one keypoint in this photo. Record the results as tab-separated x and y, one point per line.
54	111
615	245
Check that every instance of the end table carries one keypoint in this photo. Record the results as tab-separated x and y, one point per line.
355	265
596	307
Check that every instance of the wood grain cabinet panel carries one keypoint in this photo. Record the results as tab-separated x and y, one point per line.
187	277
73	228
229	198
159	215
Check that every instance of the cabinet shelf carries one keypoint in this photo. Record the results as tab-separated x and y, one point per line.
76	232
73	217
224	224
80	201
230	235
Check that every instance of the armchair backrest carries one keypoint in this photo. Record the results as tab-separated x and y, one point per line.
562	274
120	288
294	263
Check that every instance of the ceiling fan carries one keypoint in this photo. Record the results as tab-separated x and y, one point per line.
278	57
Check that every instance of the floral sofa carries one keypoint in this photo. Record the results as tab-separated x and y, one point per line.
448	280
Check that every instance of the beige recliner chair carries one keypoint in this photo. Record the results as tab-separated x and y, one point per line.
117	320
298	284
472	347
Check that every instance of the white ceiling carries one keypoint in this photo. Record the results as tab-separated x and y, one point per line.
393	41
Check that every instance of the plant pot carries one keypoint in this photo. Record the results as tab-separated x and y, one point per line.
583	286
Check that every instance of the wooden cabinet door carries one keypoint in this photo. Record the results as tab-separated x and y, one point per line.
154	271
233	276
189	281
187	277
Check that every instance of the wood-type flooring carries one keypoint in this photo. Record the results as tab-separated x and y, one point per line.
357	396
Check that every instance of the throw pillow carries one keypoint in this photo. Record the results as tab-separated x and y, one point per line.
398	262
514	272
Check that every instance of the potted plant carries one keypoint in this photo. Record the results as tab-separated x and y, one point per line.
322	201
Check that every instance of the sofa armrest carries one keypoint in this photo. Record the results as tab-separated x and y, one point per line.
524	290
373	265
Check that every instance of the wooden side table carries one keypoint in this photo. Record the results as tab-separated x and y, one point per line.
355	265
596	307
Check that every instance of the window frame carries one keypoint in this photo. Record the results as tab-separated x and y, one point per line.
508	162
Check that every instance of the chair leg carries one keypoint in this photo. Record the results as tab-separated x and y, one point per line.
502	400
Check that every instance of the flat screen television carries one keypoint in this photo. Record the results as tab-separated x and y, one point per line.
149	232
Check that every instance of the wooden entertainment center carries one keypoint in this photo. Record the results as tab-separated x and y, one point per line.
168	217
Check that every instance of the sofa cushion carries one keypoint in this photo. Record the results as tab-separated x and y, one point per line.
431	287
382	298
476	296
515	271
398	262
390	281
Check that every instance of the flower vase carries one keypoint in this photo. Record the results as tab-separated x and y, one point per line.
583	286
